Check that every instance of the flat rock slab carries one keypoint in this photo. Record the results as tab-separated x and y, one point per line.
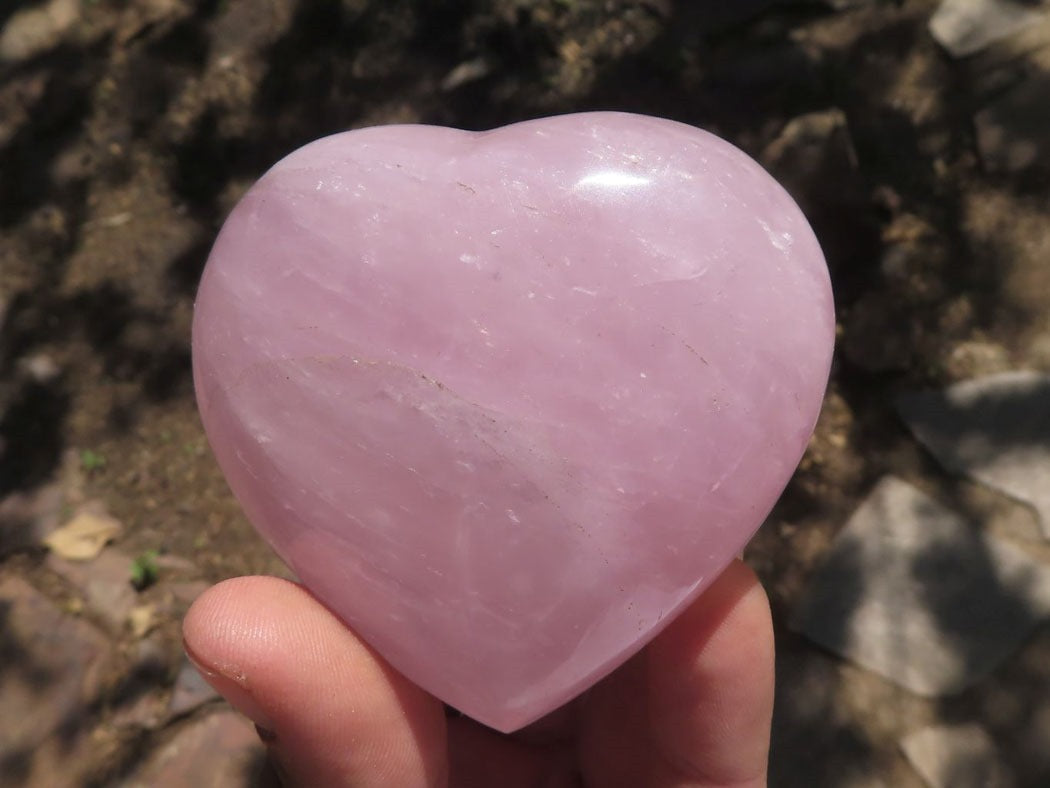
191	691
218	751
956	756
913	592
814	741
995	429
50	672
142	701
965	27
104	582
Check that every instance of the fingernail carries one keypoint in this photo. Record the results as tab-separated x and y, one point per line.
234	691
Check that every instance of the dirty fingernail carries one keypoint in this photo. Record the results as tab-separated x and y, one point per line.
235	692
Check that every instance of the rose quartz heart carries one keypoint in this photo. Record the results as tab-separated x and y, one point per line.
507	402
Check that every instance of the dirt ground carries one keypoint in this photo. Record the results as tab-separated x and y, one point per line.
128	129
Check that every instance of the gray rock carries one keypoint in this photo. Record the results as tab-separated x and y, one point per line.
191	691
995	429
1013	133
141	702
104	583
965	27
218	751
911	591
144	711
51	668
956	756
814	741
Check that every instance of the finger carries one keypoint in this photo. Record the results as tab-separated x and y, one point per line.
710	677
332	712
695	707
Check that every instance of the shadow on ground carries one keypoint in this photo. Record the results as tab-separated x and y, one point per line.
184	110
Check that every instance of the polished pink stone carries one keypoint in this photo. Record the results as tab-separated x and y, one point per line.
507	402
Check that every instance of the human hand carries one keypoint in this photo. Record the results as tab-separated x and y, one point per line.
691	709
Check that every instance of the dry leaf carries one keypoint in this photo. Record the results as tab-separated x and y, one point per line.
141	619
83	537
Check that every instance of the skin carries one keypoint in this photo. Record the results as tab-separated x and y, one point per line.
692	709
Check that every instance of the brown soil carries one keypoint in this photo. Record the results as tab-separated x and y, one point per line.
124	143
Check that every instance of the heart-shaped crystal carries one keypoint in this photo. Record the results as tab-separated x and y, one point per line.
507	402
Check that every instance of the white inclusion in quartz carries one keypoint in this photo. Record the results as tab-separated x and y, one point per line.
611	179
470	259
781	241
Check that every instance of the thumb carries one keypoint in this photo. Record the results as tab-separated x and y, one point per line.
330	710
